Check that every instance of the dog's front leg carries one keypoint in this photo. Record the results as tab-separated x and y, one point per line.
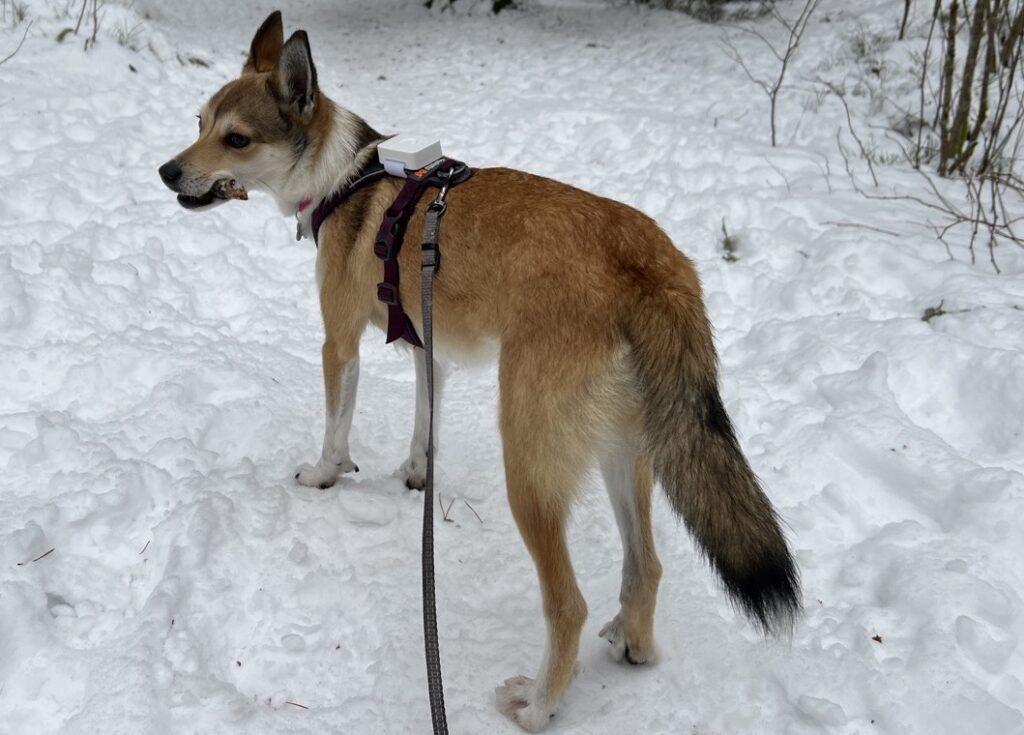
341	376
414	470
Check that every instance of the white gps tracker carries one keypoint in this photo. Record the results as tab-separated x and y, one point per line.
410	152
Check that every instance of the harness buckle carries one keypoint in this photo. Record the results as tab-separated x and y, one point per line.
386	250
387	293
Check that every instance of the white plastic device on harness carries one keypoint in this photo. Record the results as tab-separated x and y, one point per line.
408	152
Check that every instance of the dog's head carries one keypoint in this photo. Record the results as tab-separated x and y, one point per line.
256	128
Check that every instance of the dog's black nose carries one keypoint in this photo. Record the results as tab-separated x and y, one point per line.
170	172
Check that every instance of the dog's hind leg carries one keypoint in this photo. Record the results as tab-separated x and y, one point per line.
627	473
546	436
531	703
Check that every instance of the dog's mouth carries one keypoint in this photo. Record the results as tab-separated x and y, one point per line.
221	191
191	202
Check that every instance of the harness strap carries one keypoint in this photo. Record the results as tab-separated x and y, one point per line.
373	171
445	172
387	247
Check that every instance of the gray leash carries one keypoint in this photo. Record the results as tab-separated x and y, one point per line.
430	261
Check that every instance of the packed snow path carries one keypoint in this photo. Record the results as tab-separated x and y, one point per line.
161	383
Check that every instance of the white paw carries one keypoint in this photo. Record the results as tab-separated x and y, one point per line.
614	632
413	471
517	700
323	474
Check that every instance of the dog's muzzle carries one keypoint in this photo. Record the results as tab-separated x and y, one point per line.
171	173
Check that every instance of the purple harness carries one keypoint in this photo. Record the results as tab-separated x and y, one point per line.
443	173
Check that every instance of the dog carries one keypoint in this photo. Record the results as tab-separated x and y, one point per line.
605	352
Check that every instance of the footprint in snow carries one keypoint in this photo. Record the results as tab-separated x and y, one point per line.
367	509
989	645
821	710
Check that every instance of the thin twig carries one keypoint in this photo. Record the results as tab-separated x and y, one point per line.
95	21
862	227
81	14
773	86
18	48
473	509
445	511
41	556
44	555
780	172
924	82
903	23
841	94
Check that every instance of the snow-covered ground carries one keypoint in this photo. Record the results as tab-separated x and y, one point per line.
161	383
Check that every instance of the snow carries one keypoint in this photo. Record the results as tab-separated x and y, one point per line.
162	383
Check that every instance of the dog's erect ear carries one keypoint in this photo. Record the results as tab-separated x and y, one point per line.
296	76
265	51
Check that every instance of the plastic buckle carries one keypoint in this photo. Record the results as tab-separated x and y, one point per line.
386	250
387	293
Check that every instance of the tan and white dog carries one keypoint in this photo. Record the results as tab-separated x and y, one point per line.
605	351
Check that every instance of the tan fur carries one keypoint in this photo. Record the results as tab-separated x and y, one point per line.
266	46
605	351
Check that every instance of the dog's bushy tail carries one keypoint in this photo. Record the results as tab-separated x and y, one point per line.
698	460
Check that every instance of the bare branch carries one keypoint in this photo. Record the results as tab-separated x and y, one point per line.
841	94
861	226
773	85
903	23
18	47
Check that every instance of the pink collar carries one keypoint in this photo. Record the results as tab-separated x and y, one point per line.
304	204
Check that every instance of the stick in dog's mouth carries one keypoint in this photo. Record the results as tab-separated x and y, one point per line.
222	189
229	189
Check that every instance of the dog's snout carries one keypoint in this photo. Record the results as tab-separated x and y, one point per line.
170	172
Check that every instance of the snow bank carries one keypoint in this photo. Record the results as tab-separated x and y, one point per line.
162	383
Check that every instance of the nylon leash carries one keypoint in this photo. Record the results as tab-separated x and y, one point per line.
443	173
429	263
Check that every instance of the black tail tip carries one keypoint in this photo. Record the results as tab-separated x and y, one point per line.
768	592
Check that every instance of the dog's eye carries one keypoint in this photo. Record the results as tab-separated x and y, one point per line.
235	140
